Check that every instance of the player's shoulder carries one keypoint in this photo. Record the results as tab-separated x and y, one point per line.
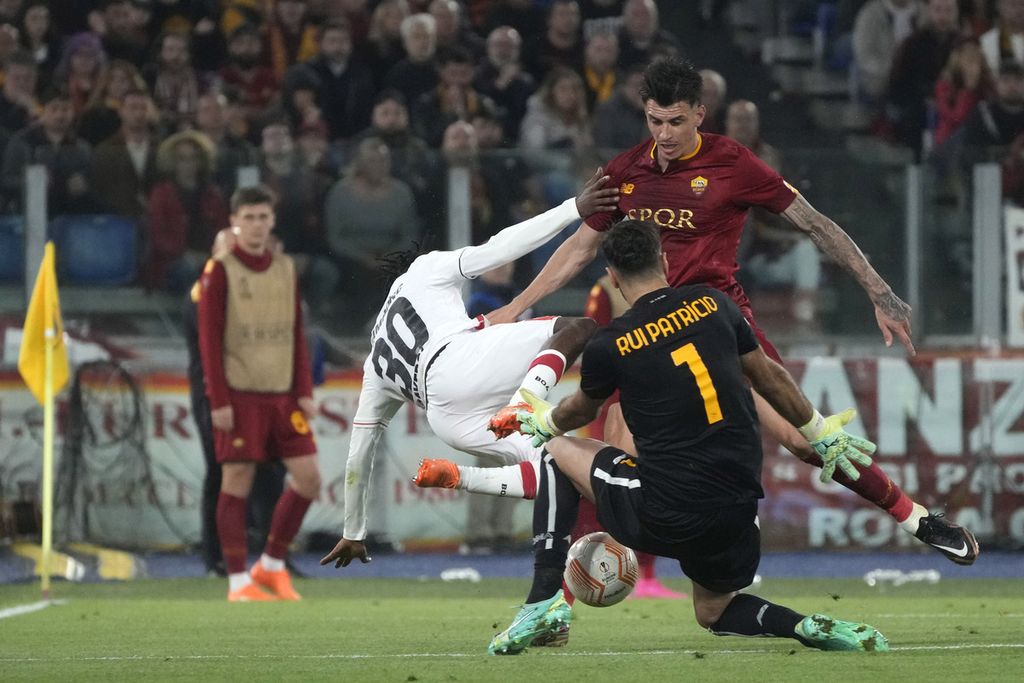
630	157
723	147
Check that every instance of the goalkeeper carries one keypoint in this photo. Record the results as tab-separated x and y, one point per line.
679	358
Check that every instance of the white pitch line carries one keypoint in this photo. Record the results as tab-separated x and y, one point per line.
461	655
18	610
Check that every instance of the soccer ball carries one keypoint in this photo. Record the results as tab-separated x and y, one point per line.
600	571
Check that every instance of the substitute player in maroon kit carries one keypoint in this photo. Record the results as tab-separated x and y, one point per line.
697	188
260	388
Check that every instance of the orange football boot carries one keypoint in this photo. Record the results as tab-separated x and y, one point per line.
250	593
279	583
437	473
504	423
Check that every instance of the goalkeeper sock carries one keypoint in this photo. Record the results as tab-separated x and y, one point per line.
876	486
545	371
288	514
749	615
510	481
554	513
231	531
912	521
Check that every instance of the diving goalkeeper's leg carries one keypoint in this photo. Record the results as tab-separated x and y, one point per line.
874	485
742	614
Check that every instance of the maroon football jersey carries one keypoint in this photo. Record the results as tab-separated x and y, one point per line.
700	202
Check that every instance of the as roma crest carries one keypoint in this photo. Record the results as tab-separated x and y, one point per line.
699	184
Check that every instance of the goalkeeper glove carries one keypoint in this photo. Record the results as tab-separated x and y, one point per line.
535	420
835	446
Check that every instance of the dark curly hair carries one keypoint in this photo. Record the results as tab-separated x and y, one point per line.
671	80
633	247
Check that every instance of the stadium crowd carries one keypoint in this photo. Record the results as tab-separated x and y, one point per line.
354	110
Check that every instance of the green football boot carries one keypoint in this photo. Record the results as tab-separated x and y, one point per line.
826	633
534	619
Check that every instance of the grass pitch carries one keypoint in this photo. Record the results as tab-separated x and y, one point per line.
406	630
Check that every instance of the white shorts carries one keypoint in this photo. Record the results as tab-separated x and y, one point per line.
474	377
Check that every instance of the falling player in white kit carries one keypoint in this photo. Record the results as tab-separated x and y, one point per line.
426	350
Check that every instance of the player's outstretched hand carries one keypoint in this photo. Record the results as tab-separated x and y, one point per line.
535	420
595	198
893	317
839	449
505	422
345	552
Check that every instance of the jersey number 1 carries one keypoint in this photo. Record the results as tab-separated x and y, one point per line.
687	355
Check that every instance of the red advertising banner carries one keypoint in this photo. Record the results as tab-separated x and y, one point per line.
949	430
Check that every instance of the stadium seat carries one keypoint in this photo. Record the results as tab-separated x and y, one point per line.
12	248
96	249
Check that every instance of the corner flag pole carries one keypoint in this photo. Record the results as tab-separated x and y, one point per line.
48	434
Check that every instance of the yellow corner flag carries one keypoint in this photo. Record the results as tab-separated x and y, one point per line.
43	327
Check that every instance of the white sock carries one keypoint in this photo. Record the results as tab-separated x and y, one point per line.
238	581
545	371
271	564
911	522
510	481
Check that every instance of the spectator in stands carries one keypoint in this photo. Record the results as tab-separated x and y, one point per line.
621	122
416	75
452	30
641	37
997	121
411	158
454	98
174	84
245	73
561	43
123	38
231	152
291	38
124	165
368	213
916	67
600	59
300	196
880	27
1005	40
712	96
963	83
52	143
775	255
194	18
18	97
100	119
300	102
79	69
185	211
557	115
39	37
501	78
383	49
8	41
506	178
346	85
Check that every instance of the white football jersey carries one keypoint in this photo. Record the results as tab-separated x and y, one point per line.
424	307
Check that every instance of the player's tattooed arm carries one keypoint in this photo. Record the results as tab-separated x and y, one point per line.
891	312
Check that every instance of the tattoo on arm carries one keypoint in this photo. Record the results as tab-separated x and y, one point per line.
833	241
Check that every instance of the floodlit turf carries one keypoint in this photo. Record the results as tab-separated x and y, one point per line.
404	630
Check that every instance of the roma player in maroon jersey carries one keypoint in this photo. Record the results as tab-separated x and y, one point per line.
697	188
